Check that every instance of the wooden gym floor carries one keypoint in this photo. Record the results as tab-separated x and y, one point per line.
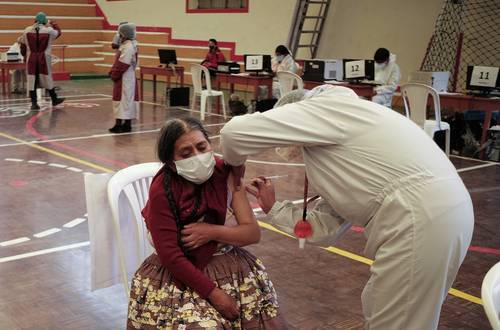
44	252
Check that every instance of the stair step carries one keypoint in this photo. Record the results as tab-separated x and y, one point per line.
83	2
18	22
51	9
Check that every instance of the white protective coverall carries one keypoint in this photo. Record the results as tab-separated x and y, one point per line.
389	77
379	170
125	89
287	64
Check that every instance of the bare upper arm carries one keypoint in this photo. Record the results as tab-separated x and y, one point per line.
241	206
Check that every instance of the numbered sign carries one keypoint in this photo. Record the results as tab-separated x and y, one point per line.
485	76
355	69
254	62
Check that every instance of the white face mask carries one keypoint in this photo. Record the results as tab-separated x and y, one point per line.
380	66
196	169
280	58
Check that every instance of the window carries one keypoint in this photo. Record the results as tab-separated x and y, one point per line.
217	6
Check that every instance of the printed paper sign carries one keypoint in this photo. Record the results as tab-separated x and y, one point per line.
485	76
254	62
355	69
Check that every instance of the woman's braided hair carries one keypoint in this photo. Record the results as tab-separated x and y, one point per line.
169	134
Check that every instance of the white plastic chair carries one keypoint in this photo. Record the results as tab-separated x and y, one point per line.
415	100
490	293
196	74
288	80
134	183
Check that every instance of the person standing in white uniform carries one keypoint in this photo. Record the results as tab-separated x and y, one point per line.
379	170
387	74
125	88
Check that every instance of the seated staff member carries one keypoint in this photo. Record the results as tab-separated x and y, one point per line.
213	56
199	277
282	61
387	74
417	213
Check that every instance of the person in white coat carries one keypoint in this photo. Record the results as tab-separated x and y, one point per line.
125	88
282	61
387	74
379	170
37	40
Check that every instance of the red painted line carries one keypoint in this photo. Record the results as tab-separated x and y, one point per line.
18	183
471	248
168	30
484	250
29	127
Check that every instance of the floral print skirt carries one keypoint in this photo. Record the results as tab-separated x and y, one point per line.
156	303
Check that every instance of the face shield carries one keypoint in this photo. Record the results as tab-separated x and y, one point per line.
127	31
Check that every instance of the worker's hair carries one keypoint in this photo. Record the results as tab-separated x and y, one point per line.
381	55
169	134
282	50
213	40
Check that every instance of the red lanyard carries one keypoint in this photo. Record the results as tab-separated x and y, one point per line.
307	201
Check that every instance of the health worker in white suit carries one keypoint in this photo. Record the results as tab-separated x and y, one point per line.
379	170
387	74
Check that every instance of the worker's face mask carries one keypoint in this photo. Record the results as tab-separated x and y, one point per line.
380	66
196	169
280	58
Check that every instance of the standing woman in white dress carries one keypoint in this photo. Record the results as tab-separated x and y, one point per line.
125	89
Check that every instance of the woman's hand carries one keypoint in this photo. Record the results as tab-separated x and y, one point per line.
224	304
265	194
197	234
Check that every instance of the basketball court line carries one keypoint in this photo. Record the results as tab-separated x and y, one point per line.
2	102
337	251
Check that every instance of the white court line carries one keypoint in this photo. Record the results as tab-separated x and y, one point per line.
77	245
13	160
14	241
47	232
183	109
482	190
474	159
46	102
74	222
37	162
74	169
475	167
57	165
65	96
45	251
94	136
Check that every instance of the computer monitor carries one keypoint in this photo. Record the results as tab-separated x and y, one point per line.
359	69
167	56
257	63
483	78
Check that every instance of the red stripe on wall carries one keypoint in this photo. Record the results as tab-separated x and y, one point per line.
180	42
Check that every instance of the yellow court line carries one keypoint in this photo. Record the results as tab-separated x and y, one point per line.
352	256
57	153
